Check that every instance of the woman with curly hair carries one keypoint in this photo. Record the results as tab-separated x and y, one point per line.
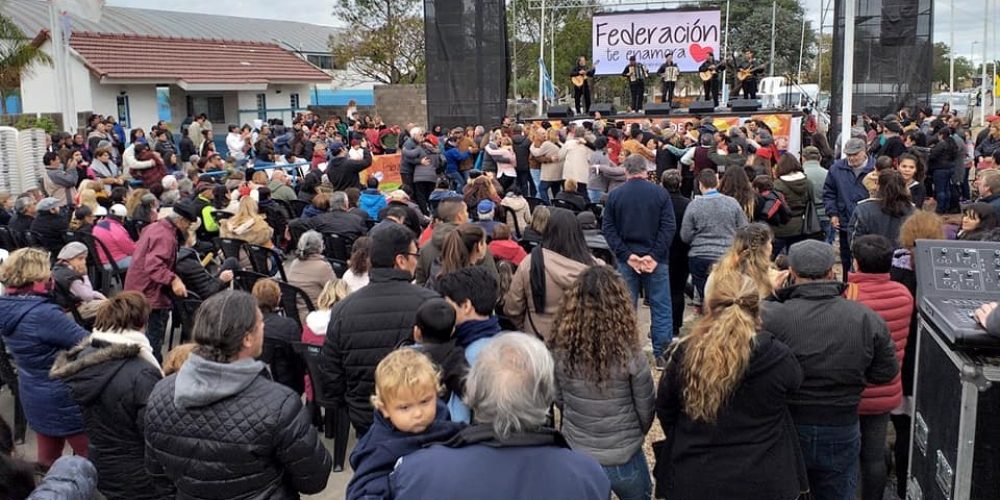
723	405
605	389
749	255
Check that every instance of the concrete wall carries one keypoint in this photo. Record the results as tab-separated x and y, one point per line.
141	99
401	104
38	89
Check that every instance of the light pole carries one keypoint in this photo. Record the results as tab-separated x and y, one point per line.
951	50
986	46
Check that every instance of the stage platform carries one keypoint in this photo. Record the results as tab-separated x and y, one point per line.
676	113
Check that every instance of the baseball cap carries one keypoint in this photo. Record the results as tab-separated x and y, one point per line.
118	210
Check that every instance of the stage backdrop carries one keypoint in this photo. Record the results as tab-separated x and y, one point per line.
649	36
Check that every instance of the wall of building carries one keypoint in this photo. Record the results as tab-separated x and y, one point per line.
38	89
402	104
141	99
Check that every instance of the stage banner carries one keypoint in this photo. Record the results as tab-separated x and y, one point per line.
650	36
781	128
385	168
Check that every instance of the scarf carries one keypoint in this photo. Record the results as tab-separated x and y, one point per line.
471	331
537	279
130	337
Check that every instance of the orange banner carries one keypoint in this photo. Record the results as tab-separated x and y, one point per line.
781	128
385	168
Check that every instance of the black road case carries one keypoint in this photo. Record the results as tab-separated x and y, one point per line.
955	444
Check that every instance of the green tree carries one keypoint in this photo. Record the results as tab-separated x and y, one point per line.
17	58
384	41
964	70
750	26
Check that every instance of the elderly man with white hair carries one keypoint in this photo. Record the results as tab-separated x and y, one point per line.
510	451
281	186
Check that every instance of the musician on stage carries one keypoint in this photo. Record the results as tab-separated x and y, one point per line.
749	71
710	85
668	77
581	84
636	73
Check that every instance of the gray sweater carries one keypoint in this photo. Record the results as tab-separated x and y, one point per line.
709	224
608	423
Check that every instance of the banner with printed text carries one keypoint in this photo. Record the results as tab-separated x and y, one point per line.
385	168
650	36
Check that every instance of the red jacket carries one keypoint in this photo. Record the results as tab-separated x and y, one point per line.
152	267
893	302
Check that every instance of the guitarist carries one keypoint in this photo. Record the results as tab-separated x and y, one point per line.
710	86
636	73
581	84
668	77
749	67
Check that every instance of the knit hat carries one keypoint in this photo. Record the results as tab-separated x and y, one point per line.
811	258
48	204
336	147
72	250
485	207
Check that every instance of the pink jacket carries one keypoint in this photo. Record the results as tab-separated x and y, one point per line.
893	302
114	236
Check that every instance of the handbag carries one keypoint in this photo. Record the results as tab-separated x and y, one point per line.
810	219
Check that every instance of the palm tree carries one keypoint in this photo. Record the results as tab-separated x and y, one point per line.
17	57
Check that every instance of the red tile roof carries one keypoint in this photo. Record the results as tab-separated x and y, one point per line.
201	61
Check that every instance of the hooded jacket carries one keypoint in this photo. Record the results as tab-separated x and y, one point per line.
69	478
894	303
35	330
364	327
607	421
111	381
377	452
841	345
796	189
225	430
751	451
371	202
560	273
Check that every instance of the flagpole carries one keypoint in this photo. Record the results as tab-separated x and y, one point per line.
58	54
541	59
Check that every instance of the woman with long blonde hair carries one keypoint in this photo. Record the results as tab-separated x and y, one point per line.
605	386
749	255
247	225
723	405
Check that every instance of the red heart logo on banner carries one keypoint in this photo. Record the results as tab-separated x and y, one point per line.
699	53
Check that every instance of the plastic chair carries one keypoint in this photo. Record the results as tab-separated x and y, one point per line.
297	207
230	248
557	203
266	261
293	299
245	280
335	422
598	210
337	250
7	241
534	202
606	255
220	215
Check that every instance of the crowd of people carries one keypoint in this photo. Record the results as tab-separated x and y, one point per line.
477	326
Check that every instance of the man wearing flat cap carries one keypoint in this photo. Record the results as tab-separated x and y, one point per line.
842	346
842	191
152	270
50	224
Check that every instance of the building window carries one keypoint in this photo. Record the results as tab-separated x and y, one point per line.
213	106
124	117
293	101
321	61
262	106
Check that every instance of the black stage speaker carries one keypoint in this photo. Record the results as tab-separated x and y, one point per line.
701	107
741	105
467	64
657	108
560	111
604	108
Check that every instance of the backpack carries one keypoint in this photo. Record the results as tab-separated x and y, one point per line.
775	209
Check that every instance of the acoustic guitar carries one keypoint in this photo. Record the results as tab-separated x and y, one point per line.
580	80
745	73
708	74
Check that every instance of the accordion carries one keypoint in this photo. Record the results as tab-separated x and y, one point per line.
671	73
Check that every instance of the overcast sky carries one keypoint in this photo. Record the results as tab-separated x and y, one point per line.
969	15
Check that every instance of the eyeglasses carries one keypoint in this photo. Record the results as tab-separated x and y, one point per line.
410	254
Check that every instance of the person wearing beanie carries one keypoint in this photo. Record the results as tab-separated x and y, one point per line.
50	224
486	210
842	346
73	287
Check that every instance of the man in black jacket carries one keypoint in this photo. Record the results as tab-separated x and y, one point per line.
522	152
50	224
842	346
371	322
343	171
338	220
